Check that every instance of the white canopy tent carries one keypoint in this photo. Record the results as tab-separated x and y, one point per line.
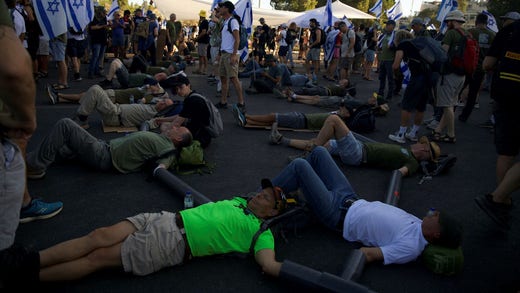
339	10
189	10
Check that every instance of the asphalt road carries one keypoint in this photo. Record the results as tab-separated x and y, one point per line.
243	156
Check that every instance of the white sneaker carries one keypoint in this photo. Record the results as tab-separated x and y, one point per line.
396	138
432	125
411	138
477	106
427	121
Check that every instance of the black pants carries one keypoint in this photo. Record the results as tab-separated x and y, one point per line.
474	84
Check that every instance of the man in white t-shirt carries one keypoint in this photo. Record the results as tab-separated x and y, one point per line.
228	66
283	47
387	233
17	15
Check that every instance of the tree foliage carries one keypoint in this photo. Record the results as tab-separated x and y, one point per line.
294	5
501	7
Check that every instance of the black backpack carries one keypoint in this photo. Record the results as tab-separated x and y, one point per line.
323	38
357	44
362	119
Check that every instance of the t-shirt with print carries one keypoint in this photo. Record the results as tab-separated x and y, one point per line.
396	232
484	38
223	227
390	156
130	152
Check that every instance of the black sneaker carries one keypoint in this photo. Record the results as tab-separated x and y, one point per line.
498	212
220	105
242	108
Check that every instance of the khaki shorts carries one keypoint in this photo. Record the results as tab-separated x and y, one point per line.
202	49
448	89
314	54
225	67
156	244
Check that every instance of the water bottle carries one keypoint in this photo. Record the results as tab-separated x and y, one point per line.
430	212
132	100
188	200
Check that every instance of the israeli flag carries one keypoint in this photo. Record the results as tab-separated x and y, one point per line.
346	21
328	47
244	9
381	38
52	17
445	8
215	3
377	9
395	12
80	13
492	23
113	8
327	19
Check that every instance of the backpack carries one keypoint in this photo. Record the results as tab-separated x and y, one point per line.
290	35
431	52
242	32
442	165
215	127
357	45
362	119
465	59
506	80
142	29
191	161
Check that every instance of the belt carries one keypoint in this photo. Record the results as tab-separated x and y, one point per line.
224	52
180	225
343	209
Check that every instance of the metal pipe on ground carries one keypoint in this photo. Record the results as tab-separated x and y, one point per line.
354	265
318	281
393	192
180	187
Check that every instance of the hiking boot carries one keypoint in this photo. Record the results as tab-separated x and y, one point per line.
410	137
220	105
33	173
498	212
238	115
275	137
83	124
397	138
53	95
39	210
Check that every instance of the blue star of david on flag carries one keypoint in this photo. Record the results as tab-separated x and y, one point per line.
76	4
55	4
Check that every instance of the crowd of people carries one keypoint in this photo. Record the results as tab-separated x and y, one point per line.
143	90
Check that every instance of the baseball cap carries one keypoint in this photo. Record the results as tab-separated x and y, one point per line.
451	231
513	15
417	20
281	199
390	21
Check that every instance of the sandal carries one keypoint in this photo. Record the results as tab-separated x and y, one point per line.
59	86
42	74
436	136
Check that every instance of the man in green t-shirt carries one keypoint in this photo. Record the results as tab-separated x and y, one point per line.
149	242
337	138
125	154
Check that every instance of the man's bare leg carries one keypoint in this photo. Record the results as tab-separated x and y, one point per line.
238	88
261	120
81	256
308	100
70	98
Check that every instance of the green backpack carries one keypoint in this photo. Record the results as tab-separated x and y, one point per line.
443	260
191	161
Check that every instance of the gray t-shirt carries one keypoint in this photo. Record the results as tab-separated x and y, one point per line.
345	43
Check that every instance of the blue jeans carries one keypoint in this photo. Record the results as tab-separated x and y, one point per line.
386	73
324	185
97	52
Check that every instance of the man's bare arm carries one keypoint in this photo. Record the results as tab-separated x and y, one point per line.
266	259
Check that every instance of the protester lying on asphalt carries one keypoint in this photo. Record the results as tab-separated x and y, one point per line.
149	242
388	233
337	138
130	153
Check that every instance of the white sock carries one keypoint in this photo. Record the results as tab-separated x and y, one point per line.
414	130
